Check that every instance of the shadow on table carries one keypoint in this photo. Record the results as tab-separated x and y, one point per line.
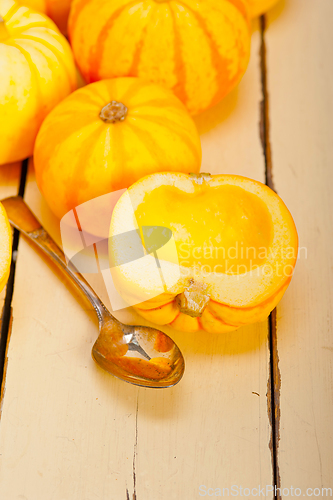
242	341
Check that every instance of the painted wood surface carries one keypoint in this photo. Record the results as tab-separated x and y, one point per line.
299	42
69	431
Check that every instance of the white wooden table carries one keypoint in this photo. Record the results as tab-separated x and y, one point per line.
255	407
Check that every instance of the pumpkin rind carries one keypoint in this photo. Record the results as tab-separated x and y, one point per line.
37	72
235	298
57	10
198	49
79	155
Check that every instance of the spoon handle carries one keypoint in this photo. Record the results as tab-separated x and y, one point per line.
21	217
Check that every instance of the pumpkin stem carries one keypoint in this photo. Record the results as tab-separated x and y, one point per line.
3	30
113	112
193	301
199	178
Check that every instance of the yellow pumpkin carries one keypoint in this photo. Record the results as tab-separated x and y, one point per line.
5	247
109	134
37	71
57	10
259	7
198	48
230	258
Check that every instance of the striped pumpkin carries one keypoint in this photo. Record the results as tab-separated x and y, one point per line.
109	134
37	71
198	48
57	10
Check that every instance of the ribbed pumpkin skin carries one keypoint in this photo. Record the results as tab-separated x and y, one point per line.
37	71
79	157
259	7
57	10
197	48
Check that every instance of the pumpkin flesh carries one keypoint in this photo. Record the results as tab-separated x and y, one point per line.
226	213
259	7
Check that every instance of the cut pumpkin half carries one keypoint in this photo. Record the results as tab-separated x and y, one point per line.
224	251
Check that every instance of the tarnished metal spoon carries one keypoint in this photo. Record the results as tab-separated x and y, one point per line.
136	354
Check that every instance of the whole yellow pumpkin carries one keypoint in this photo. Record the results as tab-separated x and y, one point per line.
228	261
259	7
198	48
57	10
37	71
109	134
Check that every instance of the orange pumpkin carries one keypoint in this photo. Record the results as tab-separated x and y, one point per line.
198	48
37	71
109	134
228	262
259	7
57	10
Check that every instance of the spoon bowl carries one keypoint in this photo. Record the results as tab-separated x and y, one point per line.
139	355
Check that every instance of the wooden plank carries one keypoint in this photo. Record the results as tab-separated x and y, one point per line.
71	431
300	79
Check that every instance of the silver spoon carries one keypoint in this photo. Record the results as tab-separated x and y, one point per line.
139	355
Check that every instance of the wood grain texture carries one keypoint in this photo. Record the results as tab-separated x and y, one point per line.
69	431
299	42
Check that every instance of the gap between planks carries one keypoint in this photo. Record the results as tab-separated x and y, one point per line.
274	381
6	318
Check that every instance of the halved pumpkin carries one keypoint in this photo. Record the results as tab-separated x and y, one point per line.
230	258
